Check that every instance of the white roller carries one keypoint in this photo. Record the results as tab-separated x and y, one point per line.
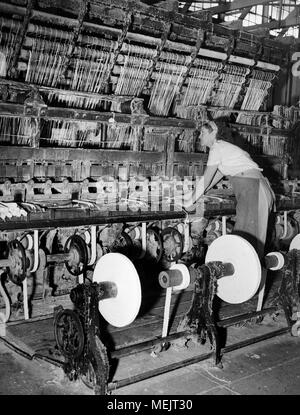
121	310
280	259
186	279
295	244
244	283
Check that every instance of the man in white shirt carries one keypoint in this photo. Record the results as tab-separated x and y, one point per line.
252	190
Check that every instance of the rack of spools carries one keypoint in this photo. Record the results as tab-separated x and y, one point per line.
231	272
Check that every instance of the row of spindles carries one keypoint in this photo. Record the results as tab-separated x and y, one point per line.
262	144
16	130
229	88
45	49
257	91
85	134
285	117
43	53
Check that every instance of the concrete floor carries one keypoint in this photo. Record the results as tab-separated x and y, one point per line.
271	367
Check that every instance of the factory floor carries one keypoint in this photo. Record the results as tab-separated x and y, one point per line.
270	367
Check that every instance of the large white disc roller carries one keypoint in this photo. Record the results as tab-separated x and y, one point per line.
295	243
121	310
245	281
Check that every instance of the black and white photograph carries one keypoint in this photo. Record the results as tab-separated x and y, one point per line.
149	201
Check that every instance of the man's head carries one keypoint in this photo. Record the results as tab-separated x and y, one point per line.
208	133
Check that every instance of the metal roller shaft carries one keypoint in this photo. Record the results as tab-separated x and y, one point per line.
228	269
170	278
273	261
5	263
58	257
270	261
108	289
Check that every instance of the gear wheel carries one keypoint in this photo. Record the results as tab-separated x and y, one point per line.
69	333
17	257
76	246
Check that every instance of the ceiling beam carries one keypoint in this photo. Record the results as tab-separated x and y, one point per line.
244	13
186	7
235	5
238	23
292	19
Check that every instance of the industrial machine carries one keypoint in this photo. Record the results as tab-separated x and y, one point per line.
100	108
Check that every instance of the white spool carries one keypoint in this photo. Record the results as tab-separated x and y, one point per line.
245	281
121	310
295	243
186	279
280	259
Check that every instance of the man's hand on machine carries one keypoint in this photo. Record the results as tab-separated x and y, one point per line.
190	202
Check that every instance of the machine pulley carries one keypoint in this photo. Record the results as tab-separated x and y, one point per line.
172	244
295	243
20	261
77	255
77	334
237	265
69	334
120	299
154	244
16	262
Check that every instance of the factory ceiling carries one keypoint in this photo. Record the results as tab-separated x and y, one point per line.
280	18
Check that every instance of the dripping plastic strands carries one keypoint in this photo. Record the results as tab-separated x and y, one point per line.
135	70
256	92
3	66
167	80
8	41
228	90
46	56
16	130
199	87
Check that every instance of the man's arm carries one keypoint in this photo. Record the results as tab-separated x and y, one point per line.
191	197
218	176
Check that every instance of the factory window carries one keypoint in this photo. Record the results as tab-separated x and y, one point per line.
259	14
206	4
254	16
291	31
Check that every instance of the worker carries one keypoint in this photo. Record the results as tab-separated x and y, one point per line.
254	195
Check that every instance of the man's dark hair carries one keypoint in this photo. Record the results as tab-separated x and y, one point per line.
207	125
224	132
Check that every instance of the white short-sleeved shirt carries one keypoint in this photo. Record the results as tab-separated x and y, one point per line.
230	159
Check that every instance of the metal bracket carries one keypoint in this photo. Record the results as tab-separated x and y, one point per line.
137	122
4	92
76	32
34	105
138	113
230	50
259	51
116	52
163	40
199	42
